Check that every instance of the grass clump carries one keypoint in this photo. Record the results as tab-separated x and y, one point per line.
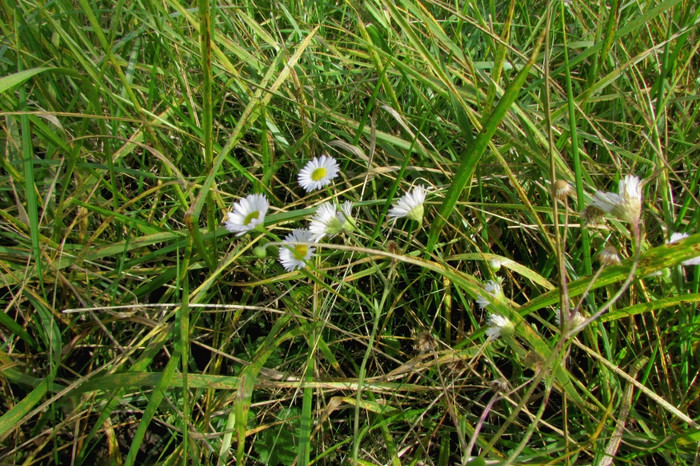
491	274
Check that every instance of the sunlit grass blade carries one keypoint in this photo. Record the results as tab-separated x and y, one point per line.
11	419
465	172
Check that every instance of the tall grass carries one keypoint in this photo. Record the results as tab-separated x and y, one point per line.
136	329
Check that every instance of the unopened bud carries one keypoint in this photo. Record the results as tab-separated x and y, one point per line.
260	252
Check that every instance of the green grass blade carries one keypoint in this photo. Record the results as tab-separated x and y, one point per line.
159	391
471	157
13	80
247	383
10	420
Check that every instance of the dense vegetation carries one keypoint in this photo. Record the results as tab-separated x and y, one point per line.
137	329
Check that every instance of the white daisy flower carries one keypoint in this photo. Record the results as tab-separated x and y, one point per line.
493	288
574	321
499	326
318	173
675	237
294	256
627	205
247	214
410	205
329	220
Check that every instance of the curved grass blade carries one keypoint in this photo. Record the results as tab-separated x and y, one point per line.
658	258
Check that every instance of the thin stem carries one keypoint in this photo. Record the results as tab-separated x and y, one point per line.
472	441
637	252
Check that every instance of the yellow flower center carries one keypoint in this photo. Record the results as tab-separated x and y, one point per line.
318	174
250	217
300	251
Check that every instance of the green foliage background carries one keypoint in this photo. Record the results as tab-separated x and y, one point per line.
135	329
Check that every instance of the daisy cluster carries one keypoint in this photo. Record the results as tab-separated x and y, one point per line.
330	219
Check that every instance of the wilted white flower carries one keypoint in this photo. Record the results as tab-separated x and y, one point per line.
592	216
425	342
318	173
247	213
609	256
493	288
675	237
562	190
410	205
499	326
329	220
294	256
500	385
627	205
574	320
